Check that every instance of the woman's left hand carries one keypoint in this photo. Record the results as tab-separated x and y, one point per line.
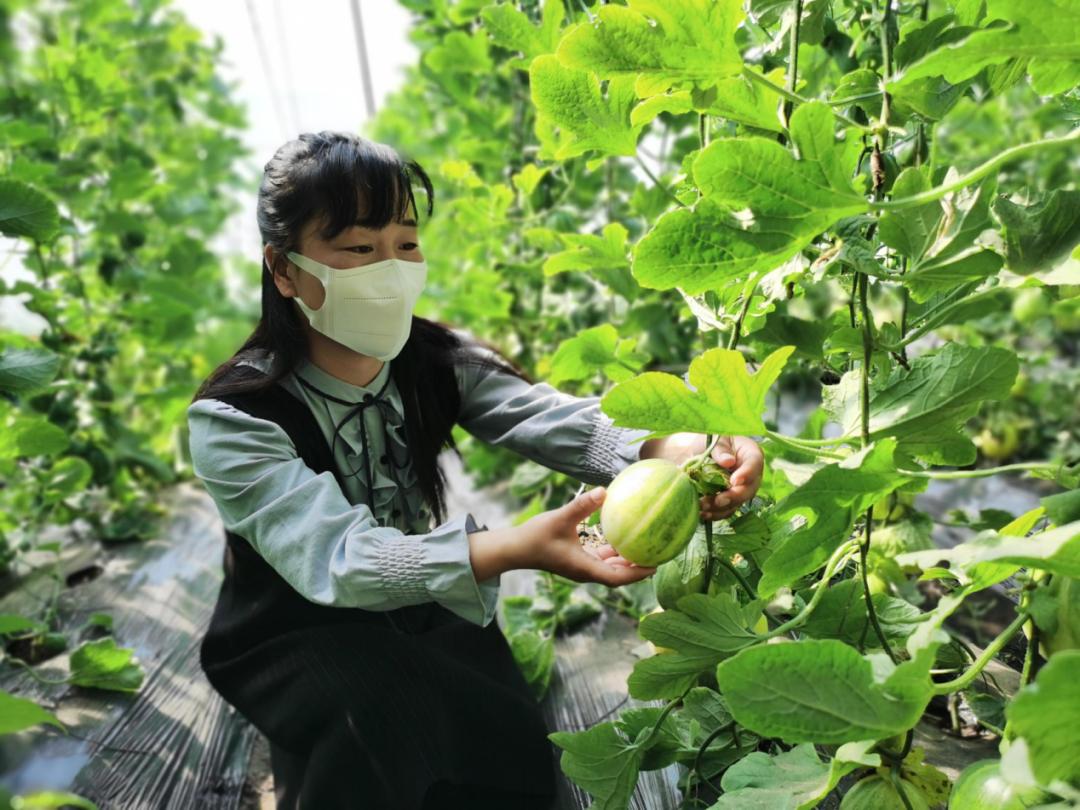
739	455
743	459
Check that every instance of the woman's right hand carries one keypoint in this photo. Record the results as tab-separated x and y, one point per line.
549	542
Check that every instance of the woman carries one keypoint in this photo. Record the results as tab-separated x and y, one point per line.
354	625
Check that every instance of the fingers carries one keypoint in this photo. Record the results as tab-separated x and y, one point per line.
582	506
612	571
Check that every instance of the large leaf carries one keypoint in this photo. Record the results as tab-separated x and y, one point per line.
728	399
939	237
102	664
708	247
709	628
602	762
1045	31
602	256
761	206
25	211
597	349
758	174
813	521
572	100
817	691
1041	235
783	782
511	28
659	43
31	436
27	369
926	407
1056	550
18	713
1045	715
702	631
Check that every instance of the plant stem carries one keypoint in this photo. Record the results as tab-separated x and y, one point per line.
704	746
838	558
976	174
730	566
793	62
748	296
1029	653
783	92
657	182
864	549
988	654
663	716
801	448
950	475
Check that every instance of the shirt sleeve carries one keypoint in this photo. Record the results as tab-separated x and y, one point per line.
332	552
558	430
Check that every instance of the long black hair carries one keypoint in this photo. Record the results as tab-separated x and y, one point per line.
329	177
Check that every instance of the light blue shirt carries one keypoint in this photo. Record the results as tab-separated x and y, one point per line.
378	550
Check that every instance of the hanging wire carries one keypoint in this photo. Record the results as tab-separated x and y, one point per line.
268	74
365	68
286	63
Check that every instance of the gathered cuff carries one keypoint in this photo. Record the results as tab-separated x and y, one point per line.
437	566
611	449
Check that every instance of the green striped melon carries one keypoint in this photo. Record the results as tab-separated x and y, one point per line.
650	512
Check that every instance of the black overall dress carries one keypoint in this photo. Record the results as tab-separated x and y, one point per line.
366	710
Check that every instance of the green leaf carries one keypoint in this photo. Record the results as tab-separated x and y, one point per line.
706	706
25	211
27	369
597	349
1046	31
816	692
1042	235
527	179
939	237
102	665
728	399
664	676
66	477
659	43
1056	550
860	88
571	99
32	436
14	623
788	781
51	800
603	257
18	713
535	656
511	28
1064	507
708	628
743	100
459	52
602	762
926	407
813	521
708	247
761	175
761	206
1046	716
841	614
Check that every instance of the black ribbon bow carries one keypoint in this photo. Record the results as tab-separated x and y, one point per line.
357	410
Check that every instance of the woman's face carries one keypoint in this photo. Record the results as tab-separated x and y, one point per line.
353	247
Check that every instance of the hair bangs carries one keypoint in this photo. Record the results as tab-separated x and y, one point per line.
364	183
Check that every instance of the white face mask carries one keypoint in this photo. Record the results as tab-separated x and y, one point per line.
367	308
